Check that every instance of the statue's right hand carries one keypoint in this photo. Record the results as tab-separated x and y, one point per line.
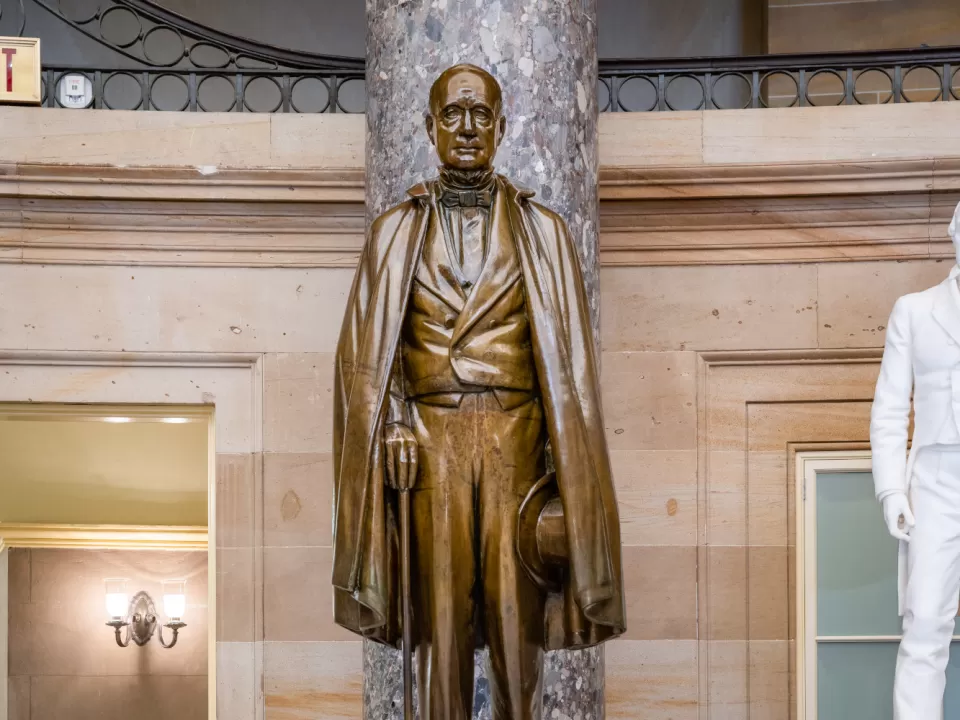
401	456
898	516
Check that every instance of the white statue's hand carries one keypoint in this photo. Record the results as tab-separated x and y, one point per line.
898	516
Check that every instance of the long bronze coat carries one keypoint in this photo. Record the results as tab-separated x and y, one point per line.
365	565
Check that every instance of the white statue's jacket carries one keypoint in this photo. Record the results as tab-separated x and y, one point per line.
923	348
920	492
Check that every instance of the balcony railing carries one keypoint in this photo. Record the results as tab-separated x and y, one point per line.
916	75
164	61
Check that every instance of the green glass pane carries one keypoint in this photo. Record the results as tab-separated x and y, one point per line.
856	681
856	559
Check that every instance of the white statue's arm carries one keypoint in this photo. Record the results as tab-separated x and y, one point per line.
890	422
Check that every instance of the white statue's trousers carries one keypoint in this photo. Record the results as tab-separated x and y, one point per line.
932	585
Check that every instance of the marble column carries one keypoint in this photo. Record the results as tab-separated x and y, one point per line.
544	54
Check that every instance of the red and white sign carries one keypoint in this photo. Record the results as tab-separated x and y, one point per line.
19	70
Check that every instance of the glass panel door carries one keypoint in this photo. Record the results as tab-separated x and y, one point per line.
857	626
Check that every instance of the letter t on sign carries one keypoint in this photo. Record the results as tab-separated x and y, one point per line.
8	54
20	70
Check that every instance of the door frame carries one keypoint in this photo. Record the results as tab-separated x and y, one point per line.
808	464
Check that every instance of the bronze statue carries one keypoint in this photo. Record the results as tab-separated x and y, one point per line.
465	352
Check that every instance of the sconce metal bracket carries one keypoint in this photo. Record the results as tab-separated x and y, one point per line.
143	618
141	623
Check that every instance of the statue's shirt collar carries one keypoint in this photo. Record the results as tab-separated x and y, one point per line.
459	180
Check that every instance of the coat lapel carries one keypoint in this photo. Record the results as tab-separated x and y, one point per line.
435	271
501	268
946	308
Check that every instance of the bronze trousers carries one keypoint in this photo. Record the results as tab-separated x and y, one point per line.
477	463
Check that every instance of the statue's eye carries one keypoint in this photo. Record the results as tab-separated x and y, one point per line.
452	114
482	116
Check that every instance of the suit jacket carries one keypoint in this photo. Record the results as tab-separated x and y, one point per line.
921	358
454	339
365	568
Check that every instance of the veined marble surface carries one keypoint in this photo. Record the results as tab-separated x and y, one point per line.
573	685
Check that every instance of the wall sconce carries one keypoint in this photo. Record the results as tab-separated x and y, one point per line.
139	614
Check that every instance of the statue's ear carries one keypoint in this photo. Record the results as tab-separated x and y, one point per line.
502	127
431	127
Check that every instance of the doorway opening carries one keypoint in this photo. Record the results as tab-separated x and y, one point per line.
107	575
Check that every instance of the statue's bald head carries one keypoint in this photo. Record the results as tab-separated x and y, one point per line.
465	79
466	122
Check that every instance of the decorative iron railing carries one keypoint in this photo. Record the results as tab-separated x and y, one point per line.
164	61
199	90
917	75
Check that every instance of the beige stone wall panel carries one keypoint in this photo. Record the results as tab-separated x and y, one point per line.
840	26
155	309
304	680
238	482
655	679
298	604
856	298
660	585
649	400
298	499
298	399
657	495
719	308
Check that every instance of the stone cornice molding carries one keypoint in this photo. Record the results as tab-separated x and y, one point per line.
726	214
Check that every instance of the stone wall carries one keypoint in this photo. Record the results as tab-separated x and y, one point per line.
812	26
808	26
748	264
64	661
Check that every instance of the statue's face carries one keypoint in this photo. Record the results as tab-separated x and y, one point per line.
465	124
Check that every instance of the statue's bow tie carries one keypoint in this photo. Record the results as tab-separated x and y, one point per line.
466	198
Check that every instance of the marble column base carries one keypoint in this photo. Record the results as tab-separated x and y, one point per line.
572	685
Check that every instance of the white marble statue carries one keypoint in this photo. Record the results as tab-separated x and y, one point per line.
921	494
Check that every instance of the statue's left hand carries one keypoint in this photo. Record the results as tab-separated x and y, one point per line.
898	516
401	456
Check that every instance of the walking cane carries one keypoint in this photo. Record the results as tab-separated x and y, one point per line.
407	473
407	610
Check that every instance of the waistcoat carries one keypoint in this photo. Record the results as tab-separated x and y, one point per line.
457	339
950	431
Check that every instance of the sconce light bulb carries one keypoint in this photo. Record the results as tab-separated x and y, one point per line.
117	605
174	606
